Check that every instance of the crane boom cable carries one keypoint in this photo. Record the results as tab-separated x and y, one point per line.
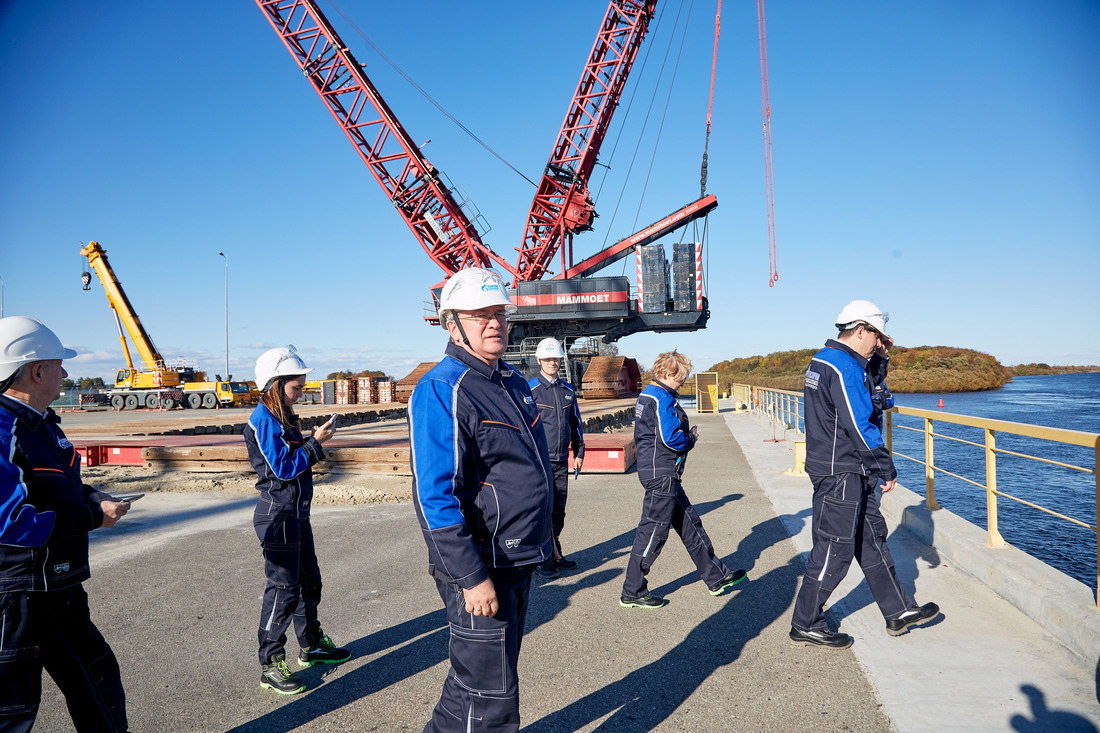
773	263
664	114
629	105
645	122
425	94
710	103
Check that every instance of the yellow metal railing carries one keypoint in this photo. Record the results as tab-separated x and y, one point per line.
786	408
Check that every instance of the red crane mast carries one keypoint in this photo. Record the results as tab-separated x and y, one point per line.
562	205
424	201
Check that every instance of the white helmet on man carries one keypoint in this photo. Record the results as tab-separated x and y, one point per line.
281	362
549	348
23	340
473	289
862	311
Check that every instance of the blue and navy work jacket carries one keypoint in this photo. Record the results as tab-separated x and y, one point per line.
841	434
45	509
559	415
662	433
482	483
283	460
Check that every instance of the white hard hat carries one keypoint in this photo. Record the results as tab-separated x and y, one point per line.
23	340
549	348
473	289
862	311
281	362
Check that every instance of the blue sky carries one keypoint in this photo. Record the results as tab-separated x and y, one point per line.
939	158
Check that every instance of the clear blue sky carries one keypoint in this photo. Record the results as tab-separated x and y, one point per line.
939	158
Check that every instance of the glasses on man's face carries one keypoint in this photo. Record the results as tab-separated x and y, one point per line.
500	317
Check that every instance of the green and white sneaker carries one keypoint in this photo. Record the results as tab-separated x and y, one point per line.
323	652
275	675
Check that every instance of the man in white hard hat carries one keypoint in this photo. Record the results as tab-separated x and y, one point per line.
845	450
482	488
560	418
46	512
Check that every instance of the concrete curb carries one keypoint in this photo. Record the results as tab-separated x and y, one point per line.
1057	602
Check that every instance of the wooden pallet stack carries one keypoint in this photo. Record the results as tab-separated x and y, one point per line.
385	390
367	394
346	391
406	386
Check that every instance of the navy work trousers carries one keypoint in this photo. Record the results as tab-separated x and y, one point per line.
481	692
561	494
54	631
293	583
666	505
847	523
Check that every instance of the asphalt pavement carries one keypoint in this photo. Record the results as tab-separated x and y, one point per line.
176	590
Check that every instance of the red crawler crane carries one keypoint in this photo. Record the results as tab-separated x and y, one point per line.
572	305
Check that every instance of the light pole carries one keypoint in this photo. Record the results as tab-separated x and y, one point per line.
226	314
1	296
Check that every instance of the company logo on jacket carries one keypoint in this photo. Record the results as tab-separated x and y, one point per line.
62	567
512	544
64	443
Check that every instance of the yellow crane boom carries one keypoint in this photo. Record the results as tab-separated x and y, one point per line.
124	312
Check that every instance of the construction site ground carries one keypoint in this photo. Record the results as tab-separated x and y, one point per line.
176	589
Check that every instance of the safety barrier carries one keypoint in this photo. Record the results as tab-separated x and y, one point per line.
785	408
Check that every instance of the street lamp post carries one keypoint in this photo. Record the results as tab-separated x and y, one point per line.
226	314
1	296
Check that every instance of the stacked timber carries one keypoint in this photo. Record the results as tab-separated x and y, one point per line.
406	386
389	457
611	377
346	391
385	389
366	395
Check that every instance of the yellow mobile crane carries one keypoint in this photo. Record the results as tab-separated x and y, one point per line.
159	384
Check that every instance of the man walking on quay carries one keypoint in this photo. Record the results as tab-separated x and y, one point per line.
46	512
482	489
844	449
561	422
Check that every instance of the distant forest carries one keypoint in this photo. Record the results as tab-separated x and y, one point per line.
917	369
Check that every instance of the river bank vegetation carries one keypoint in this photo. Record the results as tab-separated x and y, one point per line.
916	369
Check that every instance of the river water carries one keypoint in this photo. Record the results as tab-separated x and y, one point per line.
1069	401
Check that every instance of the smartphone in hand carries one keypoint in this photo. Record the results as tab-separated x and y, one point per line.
129	497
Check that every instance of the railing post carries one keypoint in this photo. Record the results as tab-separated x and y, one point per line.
888	430
929	470
995	539
1096	475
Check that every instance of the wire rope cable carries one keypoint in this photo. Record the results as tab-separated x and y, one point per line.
425	94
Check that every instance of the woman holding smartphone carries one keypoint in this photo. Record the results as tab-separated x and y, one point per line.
283	458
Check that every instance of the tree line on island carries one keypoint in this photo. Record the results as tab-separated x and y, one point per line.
916	369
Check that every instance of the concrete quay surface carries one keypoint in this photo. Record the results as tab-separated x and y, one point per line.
176	590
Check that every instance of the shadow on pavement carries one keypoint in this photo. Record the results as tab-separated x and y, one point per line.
1045	720
649	695
381	672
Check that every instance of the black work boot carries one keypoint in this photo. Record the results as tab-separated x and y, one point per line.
916	614
275	675
323	652
824	637
647	601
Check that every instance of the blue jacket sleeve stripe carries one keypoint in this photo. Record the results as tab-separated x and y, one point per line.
20	524
579	426
669	424
283	462
436	456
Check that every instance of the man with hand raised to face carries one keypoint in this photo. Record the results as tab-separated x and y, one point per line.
483	490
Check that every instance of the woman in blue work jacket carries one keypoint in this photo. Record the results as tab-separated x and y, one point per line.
283	458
